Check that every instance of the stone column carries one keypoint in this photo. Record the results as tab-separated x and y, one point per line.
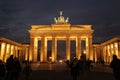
13	50
43	55
17	51
110	52
95	55
16	48
4	51
7	51
78	48
45	50
104	53
26	53
33	49
0	49
54	49
42	51
116	49
89	48
68	48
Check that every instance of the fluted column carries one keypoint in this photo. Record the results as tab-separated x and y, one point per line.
89	48
95	55
78	48
14	50
4	51
42	51
33	49
110	52
54	49
104	53
45	50
118	43
27	54
116	49
67	48
7	51
17	51
43	55
11	50
0	50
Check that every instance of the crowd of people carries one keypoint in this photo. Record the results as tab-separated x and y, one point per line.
11	69
79	67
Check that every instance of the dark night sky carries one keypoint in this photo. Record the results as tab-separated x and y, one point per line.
16	16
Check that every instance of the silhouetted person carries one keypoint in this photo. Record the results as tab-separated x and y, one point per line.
17	68
68	63
27	70
115	65
74	68
82	67
10	68
88	63
2	70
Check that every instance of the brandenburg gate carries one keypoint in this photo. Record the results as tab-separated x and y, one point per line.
61	29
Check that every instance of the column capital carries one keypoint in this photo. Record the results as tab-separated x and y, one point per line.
90	36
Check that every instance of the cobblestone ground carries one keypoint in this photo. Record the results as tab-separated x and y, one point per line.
61	72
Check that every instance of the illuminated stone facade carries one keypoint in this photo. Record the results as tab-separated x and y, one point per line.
61	29
104	51
9	47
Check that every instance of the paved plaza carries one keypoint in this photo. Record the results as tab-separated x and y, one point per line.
59	71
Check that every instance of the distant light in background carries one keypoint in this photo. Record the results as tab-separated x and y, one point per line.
84	52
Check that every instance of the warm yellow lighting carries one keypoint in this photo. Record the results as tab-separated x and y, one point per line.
84	52
86	42
61	19
30	58
108	47
12	50
53	57
2	50
3	45
8	47
60	61
41	56
116	45
61	29
112	46
36	42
